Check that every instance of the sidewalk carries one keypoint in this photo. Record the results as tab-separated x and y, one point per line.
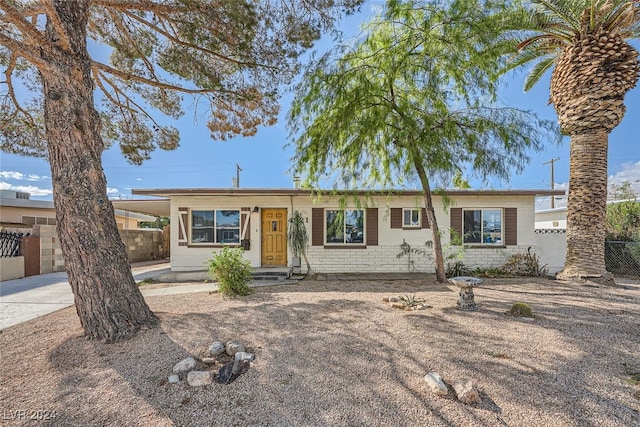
30	297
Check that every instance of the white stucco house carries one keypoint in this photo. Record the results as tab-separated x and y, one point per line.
354	231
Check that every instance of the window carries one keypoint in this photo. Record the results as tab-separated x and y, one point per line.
482	226
219	226
411	218
344	226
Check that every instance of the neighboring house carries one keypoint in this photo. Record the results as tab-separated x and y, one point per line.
18	210
557	218
353	231
551	218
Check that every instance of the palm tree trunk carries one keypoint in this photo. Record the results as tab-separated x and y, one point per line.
586	208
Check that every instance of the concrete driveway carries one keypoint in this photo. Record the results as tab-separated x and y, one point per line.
31	297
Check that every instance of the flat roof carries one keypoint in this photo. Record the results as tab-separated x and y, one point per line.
140	215
166	192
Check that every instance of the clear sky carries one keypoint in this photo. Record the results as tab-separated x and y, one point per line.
201	162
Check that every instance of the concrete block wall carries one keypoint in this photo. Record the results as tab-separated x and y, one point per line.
384	259
11	268
490	257
142	244
51	259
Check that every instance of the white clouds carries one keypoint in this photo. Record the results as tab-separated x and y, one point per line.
111	190
19	176
31	189
629	172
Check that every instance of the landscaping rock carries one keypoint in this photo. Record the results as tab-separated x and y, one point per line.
465	392
233	347
216	348
436	384
173	379
397	305
243	355
397	298
232	370
208	360
199	378
185	365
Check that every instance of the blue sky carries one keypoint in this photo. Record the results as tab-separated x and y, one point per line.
202	162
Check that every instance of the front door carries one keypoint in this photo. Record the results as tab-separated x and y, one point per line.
274	237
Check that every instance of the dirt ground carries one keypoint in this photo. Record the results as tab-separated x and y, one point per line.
331	353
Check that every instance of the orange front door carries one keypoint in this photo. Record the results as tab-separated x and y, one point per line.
274	237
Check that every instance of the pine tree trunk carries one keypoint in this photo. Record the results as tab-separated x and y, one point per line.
586	208
431	216
107	299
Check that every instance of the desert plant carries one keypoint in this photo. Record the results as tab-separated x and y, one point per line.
456	269
297	238
411	300
524	264
231	271
521	309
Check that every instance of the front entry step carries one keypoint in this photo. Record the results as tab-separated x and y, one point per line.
271	273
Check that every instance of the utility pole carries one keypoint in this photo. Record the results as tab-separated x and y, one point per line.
553	182
237	180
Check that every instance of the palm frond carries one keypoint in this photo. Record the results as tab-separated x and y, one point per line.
538	71
567	11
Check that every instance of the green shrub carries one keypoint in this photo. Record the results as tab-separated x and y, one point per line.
231	271
521	309
524	264
457	269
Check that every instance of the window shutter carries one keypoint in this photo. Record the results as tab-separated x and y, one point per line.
183	220
425	220
455	220
245	224
511	226
317	227
372	227
396	217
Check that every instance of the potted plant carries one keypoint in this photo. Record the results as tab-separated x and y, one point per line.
298	239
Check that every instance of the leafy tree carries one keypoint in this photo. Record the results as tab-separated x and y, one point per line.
230	56
585	43
160	222
623	214
412	100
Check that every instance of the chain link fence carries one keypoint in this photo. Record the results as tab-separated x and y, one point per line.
622	258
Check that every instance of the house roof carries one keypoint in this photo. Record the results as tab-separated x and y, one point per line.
48	204
156	207
167	192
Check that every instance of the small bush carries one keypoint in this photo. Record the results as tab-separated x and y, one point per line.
411	300
457	269
231	271
521	309
525	264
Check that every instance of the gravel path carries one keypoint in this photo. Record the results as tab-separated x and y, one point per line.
331	353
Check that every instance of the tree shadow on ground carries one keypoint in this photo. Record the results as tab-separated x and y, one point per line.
325	362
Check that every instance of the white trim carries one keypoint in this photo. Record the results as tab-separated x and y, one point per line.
502	224
245	228
182	226
344	242
419	225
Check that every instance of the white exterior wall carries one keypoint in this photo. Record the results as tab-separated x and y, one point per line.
381	258
551	246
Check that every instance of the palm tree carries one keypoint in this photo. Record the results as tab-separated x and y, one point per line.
585	42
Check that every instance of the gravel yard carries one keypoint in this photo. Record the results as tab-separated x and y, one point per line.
331	353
